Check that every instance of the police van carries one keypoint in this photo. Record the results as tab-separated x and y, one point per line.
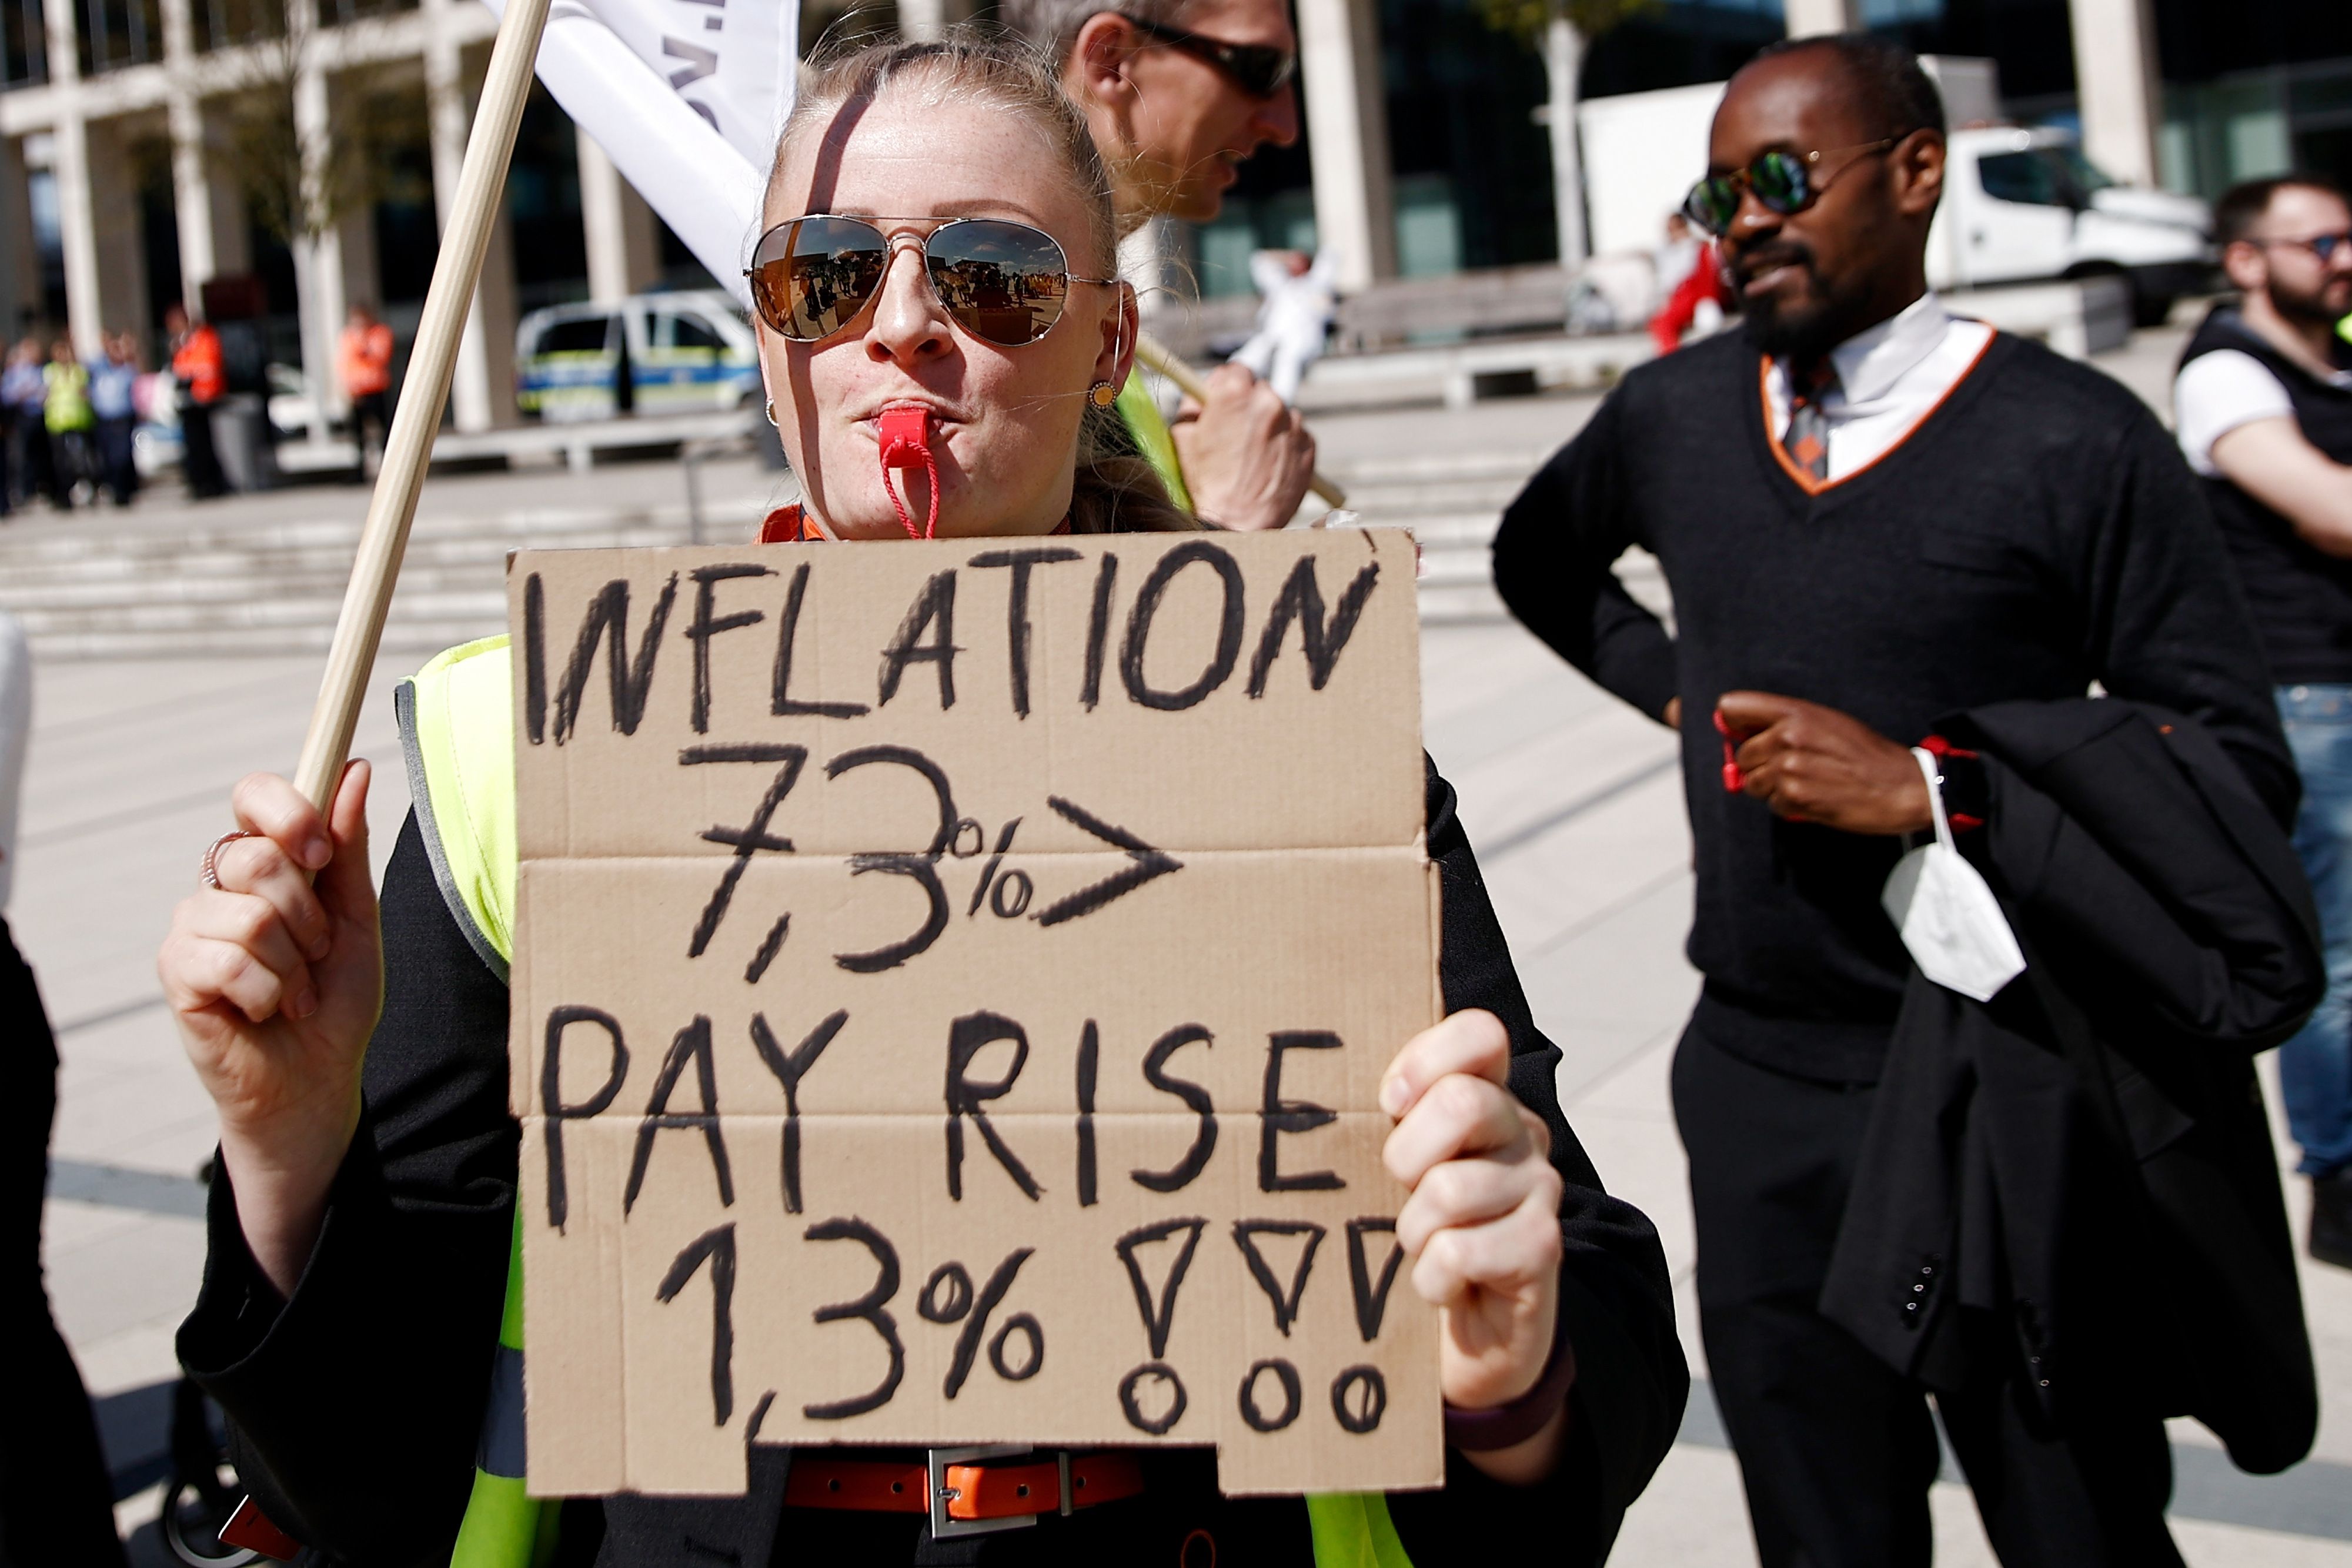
650	353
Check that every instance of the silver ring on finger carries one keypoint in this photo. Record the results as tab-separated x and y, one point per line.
212	855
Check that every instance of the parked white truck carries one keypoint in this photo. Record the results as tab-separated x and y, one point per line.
2018	205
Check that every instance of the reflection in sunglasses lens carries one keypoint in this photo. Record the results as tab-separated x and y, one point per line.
1003	282
814	276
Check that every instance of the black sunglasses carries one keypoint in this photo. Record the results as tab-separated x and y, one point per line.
1258	70
1001	281
2323	246
1783	182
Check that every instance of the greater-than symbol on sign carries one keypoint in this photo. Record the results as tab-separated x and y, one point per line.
1149	863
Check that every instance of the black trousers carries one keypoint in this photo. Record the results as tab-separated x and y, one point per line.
200	462
1837	1449
117	467
57	1505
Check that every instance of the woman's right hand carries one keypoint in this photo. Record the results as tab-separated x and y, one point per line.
277	980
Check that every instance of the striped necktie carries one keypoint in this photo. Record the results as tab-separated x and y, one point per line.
1808	438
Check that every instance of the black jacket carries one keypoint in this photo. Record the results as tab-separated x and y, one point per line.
2074	1184
356	1406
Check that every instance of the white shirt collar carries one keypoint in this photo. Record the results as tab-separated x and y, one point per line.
1870	362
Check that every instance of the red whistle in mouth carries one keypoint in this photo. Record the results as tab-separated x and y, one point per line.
906	438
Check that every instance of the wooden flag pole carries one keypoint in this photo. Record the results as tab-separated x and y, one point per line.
1157	359
408	448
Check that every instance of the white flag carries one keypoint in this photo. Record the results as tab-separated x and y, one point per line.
686	97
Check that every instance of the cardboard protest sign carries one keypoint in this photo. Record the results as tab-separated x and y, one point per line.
951	988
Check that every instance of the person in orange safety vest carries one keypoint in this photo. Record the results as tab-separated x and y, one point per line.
364	360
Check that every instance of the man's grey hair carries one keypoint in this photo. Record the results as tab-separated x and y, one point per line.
1053	24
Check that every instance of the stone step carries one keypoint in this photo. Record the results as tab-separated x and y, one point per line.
157	586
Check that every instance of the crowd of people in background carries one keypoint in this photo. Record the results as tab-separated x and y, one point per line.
67	423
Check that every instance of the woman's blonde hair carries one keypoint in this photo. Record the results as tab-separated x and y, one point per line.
1115	490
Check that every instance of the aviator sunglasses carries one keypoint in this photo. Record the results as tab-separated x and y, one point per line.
1257	70
1784	182
1002	282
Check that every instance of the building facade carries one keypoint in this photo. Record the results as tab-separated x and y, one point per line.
148	147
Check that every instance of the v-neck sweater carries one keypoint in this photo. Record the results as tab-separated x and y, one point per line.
2036	532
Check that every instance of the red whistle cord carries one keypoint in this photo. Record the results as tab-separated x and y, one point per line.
906	442
1734	781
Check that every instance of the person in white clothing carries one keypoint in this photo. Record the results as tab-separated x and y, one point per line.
2263	409
1300	299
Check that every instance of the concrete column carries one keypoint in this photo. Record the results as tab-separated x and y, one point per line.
2118	85
1807	18
624	247
925	21
20	268
495	298
318	257
1563	63
192	203
1347	130
481	394
76	218
116	228
232	224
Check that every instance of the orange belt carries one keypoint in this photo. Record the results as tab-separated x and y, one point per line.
974	1490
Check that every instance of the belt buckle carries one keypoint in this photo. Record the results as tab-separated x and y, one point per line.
936	1462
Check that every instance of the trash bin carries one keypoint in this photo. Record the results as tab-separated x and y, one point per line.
246	445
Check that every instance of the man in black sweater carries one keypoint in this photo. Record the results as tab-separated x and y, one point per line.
1872	515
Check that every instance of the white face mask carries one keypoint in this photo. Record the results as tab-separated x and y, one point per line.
1950	919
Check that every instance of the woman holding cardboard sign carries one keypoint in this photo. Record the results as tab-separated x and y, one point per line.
358	1052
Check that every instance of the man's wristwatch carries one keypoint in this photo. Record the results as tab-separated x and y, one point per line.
1508	1425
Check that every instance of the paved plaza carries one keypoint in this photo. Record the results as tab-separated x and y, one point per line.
1573	801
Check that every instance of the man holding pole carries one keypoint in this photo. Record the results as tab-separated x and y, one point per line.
1178	93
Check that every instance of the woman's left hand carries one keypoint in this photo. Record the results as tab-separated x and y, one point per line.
1481	1227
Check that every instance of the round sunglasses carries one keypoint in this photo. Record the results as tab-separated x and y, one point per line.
1002	282
1784	182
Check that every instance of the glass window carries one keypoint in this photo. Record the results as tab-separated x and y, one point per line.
2077	170
581	335
2020	177
685	332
